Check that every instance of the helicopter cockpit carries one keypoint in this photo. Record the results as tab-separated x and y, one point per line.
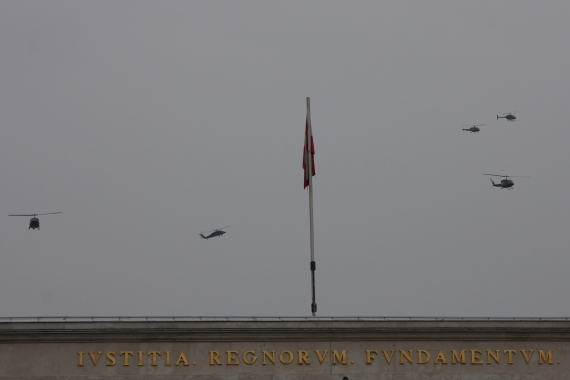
34	223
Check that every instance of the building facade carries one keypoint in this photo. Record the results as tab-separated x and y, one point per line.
284	348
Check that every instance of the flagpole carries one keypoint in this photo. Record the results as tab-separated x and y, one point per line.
309	161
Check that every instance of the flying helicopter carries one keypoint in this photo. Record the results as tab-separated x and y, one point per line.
34	222
473	129
214	233
509	117
505	183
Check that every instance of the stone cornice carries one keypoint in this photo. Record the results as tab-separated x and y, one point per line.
280	331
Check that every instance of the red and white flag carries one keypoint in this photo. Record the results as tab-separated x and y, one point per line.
308	136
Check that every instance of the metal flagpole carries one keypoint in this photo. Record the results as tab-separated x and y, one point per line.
308	152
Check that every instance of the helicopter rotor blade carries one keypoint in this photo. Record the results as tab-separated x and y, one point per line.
506	176
48	213
217	229
471	125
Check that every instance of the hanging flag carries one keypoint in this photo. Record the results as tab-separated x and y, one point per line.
308	135
309	167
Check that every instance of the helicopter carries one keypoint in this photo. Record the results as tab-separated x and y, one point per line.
473	129
34	222
505	183
214	233
509	117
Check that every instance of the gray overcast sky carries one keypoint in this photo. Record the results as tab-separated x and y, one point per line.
146	122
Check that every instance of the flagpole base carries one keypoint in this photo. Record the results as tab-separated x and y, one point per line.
314	304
